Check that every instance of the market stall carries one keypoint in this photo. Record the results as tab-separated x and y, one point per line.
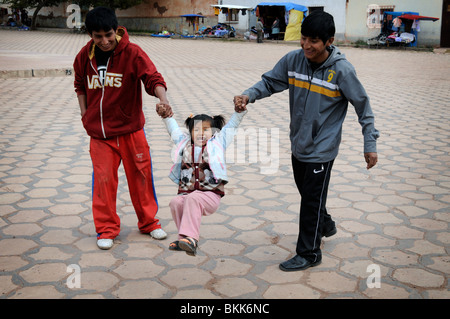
237	15
194	20
289	15
220	30
399	29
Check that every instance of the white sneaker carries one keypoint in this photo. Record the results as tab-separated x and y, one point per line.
105	243
158	234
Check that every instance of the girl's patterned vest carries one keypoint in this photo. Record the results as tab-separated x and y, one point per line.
196	173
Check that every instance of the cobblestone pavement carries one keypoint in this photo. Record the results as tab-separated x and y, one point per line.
392	220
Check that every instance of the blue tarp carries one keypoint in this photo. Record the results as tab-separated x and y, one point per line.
192	16
396	14
288	5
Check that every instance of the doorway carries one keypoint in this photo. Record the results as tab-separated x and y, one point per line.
445	26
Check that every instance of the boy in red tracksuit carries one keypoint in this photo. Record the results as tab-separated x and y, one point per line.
108	75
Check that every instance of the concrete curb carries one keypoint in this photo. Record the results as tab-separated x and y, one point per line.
38	73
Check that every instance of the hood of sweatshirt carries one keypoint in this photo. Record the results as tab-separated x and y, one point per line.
334	56
122	39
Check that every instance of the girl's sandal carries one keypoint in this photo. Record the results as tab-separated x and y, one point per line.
189	245
175	246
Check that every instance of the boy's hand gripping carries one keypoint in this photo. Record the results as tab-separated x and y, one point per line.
240	103
164	110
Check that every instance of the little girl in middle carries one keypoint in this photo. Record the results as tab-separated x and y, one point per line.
199	171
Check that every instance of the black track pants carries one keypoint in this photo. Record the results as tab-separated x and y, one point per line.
312	181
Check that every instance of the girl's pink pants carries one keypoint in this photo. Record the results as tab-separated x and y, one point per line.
187	211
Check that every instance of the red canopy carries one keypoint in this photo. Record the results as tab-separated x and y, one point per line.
417	17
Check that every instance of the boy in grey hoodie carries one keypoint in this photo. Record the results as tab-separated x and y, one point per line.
321	82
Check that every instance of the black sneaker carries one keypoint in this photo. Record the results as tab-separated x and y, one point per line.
329	232
297	263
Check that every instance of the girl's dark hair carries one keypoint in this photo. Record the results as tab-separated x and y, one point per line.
319	24
101	18
216	122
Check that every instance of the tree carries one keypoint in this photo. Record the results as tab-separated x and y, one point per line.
32	4
39	4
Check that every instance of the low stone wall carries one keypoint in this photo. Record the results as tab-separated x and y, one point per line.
175	24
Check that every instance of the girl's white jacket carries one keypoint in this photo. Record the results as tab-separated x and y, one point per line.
215	146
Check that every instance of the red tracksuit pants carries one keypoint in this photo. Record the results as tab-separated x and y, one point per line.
133	151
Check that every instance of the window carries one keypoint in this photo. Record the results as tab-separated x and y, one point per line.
375	14
233	15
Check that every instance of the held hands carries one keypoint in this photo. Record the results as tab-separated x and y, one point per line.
240	103
164	110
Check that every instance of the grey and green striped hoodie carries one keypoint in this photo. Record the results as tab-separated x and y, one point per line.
318	103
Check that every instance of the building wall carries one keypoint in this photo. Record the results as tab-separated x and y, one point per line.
356	26
164	15
337	9
150	16
168	8
244	23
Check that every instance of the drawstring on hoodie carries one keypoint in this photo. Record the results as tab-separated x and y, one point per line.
112	59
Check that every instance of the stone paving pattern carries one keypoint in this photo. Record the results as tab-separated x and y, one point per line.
395	215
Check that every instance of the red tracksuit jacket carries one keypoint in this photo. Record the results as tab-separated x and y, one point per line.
115	108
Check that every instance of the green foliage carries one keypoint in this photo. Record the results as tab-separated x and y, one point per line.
19	4
39	4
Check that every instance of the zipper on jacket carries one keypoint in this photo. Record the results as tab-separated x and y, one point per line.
101	112
103	95
310	78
